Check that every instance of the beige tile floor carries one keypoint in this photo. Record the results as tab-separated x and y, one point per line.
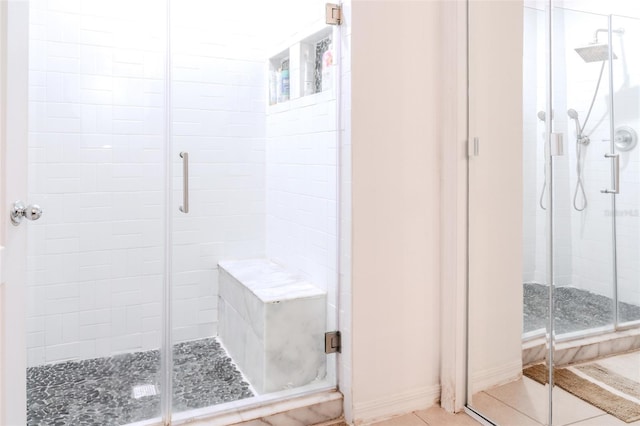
525	403
522	403
432	417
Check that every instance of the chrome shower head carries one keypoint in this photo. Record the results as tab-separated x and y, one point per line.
572	113
594	53
542	116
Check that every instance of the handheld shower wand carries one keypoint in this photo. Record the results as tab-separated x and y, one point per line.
573	114
542	116
580	138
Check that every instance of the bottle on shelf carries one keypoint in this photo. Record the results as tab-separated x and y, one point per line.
285	79
327	63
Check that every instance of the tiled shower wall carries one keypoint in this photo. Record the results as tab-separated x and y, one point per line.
584	240
219	99
96	165
97	162
96	140
301	186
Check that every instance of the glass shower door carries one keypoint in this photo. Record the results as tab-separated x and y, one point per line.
254	104
96	166
584	274
495	206
123	287
626	125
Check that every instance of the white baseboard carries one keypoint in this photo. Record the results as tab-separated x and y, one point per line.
393	405
491	377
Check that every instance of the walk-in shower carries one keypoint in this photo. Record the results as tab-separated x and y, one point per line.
189	231
587	81
577	289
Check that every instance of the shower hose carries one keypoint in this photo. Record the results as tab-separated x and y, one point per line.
581	141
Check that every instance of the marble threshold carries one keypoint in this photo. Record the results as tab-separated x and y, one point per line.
304	406
583	349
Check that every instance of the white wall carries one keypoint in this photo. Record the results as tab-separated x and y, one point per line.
395	193
495	194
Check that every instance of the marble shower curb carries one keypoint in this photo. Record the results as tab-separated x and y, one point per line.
582	350
307	410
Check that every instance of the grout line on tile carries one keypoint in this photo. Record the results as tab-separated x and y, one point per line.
588	418
513	408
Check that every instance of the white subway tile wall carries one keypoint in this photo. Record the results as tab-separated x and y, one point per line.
96	165
96	139
218	110
301	186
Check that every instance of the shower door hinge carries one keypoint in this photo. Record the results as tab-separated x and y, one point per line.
473	147
333	14
332	342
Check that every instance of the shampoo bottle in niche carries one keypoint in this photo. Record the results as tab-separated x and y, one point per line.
273	97
327	63
285	79
308	70
278	74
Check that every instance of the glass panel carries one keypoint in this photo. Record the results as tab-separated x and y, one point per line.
254	264
535	189
495	201
626	97
587	212
95	257
582	231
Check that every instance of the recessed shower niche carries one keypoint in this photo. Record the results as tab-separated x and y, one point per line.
302	69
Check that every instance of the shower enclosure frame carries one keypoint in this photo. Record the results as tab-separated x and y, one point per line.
615	325
14	40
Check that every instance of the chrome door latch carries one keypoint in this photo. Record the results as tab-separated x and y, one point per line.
18	211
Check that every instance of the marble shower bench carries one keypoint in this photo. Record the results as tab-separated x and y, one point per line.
272	323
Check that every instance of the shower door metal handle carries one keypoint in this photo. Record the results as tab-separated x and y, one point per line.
184	208
616	174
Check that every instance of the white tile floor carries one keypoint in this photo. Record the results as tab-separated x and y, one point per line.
520	403
433	417
525	403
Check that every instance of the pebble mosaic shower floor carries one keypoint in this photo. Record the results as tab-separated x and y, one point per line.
101	391
576	309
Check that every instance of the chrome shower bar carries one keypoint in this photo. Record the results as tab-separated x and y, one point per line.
184	208
615	174
604	30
